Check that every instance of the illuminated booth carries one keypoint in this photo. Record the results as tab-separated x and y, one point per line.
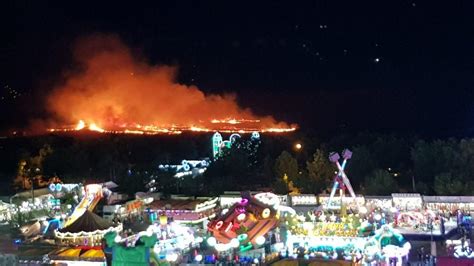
407	201
324	200
5	211
449	203
188	211
383	202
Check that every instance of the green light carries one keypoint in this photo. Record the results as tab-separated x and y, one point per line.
242	237
246	247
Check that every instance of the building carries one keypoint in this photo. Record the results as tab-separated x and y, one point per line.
185	210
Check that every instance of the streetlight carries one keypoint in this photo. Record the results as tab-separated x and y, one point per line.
298	146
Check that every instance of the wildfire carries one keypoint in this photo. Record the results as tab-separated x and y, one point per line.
94	127
114	92
80	125
174	129
234	121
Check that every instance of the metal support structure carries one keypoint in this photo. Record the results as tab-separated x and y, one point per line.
341	180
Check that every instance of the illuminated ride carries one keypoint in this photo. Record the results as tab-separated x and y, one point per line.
160	244
219	145
246	223
138	255
340	241
340	180
81	241
387	244
83	232
186	168
93	194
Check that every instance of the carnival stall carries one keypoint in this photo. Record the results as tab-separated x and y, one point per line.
87	256
449	204
407	201
188	211
5	212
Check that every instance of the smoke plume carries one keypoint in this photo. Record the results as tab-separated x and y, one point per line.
113	88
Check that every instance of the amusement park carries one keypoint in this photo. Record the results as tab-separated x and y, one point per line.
285	133
236	227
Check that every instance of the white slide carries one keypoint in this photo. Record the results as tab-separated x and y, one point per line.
89	201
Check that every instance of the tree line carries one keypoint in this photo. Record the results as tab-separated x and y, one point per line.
381	164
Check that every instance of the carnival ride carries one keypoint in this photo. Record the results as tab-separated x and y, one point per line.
81	241
219	144
160	244
172	237
387	244
359	237
93	194
245	223
138	255
346	239
340	180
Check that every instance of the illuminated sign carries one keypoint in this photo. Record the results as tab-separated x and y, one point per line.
206	205
268	198
304	200
133	205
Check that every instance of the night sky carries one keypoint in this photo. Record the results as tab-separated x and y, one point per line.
383	66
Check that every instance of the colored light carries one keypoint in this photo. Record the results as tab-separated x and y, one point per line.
235	243
211	241
219	225
198	258
377	216
172	257
260	240
242	237
266	213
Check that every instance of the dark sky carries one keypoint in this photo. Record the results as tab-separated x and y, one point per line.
392	66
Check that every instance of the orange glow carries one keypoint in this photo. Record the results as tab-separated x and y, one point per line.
94	127
113	92
154	130
234	121
80	125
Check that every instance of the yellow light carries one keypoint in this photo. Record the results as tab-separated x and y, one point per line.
266	213
298	146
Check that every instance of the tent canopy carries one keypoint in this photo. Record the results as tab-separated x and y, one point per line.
87	222
78	254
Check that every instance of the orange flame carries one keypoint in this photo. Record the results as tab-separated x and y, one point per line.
94	127
80	125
